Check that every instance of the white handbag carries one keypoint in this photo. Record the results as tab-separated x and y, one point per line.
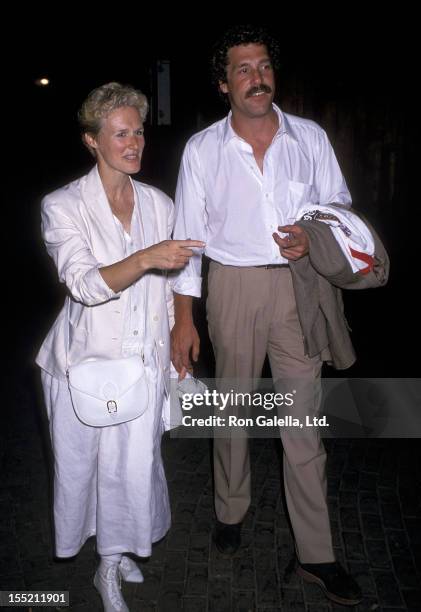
108	391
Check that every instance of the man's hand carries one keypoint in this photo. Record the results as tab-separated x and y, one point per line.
295	245
184	341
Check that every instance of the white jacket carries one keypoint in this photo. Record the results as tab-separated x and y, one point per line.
80	235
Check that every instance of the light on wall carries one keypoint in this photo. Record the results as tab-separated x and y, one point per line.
42	82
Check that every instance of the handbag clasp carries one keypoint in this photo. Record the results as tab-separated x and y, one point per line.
112	406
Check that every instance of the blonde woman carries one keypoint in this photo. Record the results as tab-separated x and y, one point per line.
109	237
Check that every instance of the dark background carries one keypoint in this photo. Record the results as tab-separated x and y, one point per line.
357	76
358	84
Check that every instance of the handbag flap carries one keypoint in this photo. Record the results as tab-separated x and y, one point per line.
106	379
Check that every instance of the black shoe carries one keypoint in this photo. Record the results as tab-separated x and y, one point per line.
333	579
227	538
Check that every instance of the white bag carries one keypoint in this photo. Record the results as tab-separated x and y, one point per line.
108	391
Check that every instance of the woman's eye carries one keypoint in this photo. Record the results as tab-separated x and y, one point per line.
140	132
121	134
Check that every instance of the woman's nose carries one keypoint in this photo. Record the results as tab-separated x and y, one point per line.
135	142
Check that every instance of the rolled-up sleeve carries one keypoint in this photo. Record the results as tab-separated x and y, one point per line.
190	220
76	265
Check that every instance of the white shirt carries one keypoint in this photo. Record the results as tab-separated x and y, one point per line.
134	317
223	199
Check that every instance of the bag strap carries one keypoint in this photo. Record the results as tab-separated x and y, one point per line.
67	333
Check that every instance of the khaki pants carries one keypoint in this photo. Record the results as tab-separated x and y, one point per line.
252	312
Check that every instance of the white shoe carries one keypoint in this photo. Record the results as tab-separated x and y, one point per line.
129	570
107	583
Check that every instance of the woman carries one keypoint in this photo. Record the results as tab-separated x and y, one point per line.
109	238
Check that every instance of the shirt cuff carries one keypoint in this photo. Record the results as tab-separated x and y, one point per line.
187	286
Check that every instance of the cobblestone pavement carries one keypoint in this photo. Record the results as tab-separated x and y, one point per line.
374	499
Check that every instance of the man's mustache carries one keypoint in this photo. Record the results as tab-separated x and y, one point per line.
259	88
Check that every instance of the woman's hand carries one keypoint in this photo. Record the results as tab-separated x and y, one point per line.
168	255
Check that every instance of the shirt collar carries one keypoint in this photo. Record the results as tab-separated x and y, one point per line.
284	126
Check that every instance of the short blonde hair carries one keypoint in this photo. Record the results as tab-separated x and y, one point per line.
105	99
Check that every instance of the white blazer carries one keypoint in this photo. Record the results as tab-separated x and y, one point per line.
81	235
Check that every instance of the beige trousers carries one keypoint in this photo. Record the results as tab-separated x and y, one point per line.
252	312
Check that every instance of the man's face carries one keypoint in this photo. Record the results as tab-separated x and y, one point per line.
250	82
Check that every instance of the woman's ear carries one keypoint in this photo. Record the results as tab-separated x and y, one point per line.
90	140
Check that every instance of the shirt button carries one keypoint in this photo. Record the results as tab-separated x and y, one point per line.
135	308
156	318
135	332
161	343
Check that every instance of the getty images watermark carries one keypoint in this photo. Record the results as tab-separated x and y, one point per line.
223	402
336	407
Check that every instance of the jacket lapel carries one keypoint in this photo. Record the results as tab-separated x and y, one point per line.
148	215
102	220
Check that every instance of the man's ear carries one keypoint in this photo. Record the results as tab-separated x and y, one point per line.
223	86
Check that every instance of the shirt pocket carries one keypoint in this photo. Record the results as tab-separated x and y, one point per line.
298	195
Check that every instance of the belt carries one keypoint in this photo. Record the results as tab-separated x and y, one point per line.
265	266
272	266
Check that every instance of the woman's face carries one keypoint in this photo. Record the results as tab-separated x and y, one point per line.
120	141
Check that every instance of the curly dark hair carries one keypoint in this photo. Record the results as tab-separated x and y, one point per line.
240	35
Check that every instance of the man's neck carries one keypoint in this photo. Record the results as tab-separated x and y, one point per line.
255	129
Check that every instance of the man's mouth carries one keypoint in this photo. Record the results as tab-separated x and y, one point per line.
258	91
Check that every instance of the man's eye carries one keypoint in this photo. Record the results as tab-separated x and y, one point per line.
121	134
140	132
244	70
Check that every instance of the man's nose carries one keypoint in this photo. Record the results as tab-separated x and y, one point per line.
257	76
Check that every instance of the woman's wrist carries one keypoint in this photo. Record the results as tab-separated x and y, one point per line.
141	261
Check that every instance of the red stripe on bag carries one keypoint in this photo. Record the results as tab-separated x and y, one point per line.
368	259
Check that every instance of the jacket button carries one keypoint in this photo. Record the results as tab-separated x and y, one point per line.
155	318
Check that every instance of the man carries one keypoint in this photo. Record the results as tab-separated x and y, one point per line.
241	180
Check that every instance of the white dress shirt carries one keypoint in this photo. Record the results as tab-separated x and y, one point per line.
134	317
225	200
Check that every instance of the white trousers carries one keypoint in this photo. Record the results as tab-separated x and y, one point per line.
108	481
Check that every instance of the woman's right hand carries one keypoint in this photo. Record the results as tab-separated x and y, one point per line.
169	254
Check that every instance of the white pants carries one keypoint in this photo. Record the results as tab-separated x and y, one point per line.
108	481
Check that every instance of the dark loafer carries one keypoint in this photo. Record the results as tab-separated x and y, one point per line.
227	538
338	586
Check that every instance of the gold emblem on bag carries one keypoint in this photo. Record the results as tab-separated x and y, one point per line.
112	406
